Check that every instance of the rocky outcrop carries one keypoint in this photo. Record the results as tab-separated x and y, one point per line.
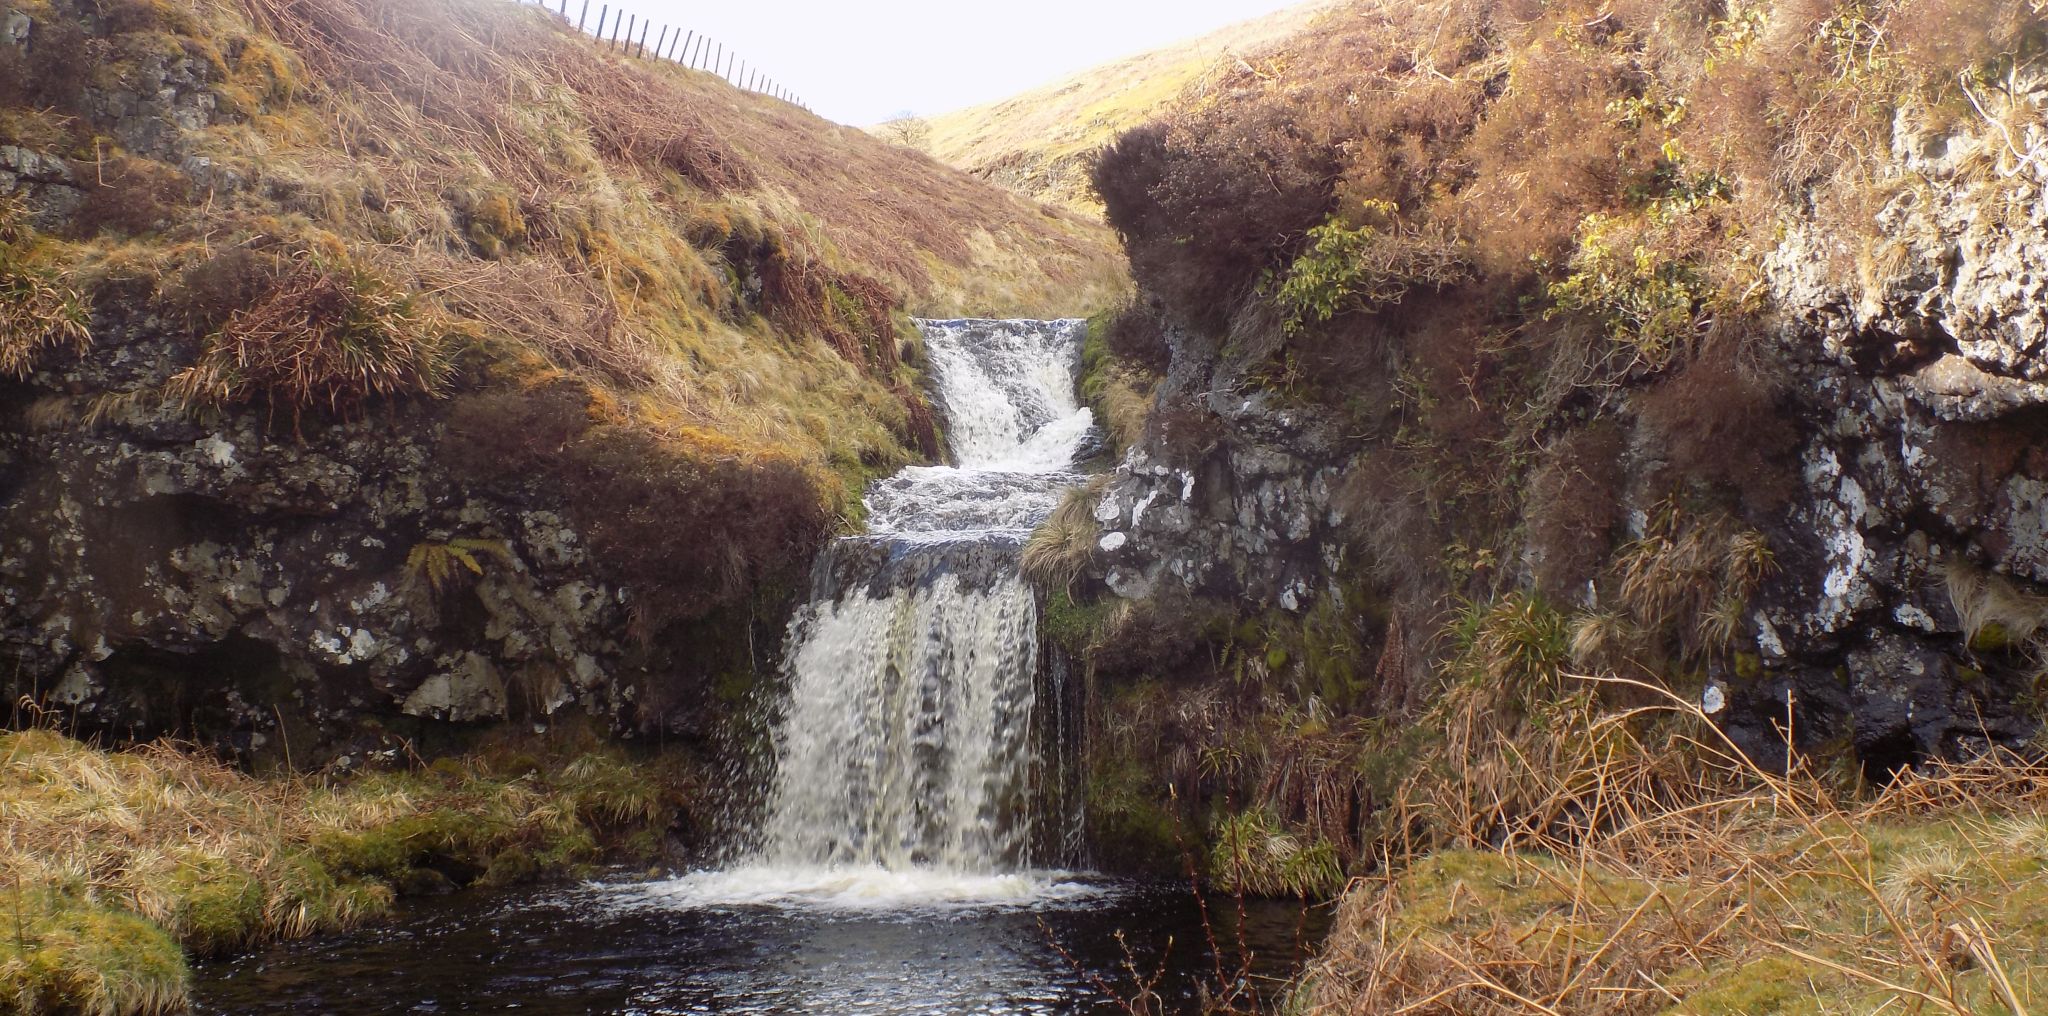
222	578
1921	519
1242	509
1899	617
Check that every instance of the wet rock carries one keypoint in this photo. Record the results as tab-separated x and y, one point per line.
468	691
45	184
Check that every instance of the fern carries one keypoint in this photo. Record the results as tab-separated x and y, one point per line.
443	565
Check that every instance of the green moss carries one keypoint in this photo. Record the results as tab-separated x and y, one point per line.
510	867
75	957
1992	638
1130	819
1070	624
220	906
1770	986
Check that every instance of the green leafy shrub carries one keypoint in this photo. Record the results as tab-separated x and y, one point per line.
1644	289
1348	270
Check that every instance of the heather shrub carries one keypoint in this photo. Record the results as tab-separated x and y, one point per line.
1208	202
1721	422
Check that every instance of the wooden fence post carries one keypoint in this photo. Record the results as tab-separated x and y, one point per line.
642	50
630	20
582	15
603	11
684	49
659	42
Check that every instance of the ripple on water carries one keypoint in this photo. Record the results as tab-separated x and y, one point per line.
857	889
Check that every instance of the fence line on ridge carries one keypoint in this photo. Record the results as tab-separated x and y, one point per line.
616	27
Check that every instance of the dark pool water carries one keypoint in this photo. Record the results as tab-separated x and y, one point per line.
579	950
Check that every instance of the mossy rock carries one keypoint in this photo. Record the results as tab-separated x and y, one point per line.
89	960
220	907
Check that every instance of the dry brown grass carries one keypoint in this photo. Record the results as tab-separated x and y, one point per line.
1742	892
324	336
1064	546
1039	143
39	310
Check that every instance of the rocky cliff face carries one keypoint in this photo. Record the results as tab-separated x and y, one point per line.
328	592
1240	509
1903	616
1898	616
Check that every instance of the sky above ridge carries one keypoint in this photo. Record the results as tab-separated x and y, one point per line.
864	61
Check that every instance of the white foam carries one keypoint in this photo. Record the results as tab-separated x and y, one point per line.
859	889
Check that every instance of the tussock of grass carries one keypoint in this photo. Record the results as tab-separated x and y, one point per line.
38	308
1996	616
1060	549
324	336
114	863
1254	854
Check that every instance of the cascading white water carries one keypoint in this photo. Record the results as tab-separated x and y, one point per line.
907	756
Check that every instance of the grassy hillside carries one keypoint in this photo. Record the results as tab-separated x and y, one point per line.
503	199
622	276
1041	143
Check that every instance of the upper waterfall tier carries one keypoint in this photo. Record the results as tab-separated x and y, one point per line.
1015	426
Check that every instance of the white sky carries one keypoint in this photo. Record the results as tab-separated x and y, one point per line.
863	62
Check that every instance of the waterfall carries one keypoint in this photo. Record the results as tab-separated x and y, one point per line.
911	755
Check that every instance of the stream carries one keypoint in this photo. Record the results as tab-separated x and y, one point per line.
917	846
